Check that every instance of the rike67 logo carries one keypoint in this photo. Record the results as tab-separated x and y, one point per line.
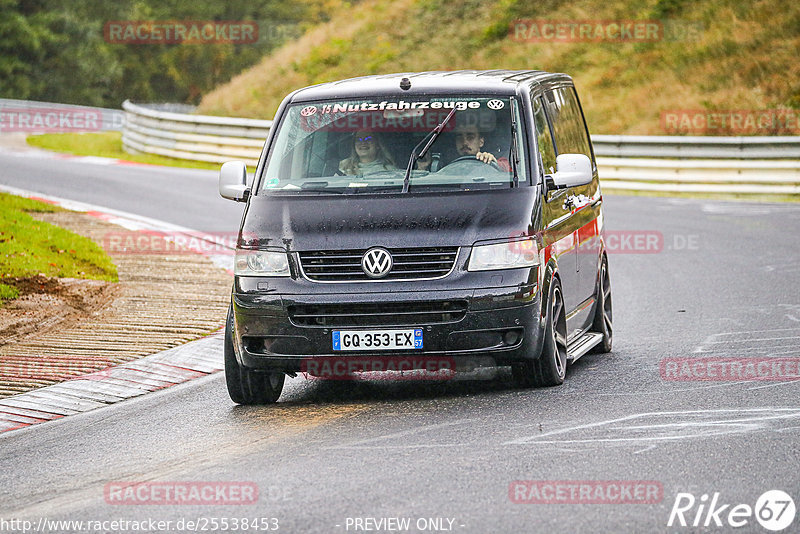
774	510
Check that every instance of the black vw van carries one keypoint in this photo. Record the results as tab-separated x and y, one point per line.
436	215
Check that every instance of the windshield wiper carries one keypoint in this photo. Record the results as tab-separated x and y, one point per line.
415	156
514	148
318	187
314	185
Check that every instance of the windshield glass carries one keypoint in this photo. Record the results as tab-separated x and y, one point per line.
366	145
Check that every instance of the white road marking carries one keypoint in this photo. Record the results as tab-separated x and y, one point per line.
669	391
752	339
774	385
661	431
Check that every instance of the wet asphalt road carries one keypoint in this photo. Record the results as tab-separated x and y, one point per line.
724	284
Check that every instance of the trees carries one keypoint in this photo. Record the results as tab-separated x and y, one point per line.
56	51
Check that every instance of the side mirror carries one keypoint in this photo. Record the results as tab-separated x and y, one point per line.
572	170
233	181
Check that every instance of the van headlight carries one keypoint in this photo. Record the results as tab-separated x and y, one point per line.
260	263
509	255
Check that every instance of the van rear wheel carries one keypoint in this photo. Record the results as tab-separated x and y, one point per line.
551	366
246	386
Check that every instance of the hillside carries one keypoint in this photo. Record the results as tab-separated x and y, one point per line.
717	55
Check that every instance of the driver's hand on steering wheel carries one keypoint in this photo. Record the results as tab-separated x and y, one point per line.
486	157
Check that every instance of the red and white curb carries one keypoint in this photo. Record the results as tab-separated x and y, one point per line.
39	153
158	371
165	369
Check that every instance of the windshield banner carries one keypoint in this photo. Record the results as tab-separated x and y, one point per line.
401	116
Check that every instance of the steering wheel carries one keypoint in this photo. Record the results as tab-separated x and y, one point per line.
472	158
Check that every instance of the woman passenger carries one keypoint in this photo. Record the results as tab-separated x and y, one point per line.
369	155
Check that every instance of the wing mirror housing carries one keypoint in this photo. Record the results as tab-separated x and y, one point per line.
233	181
572	170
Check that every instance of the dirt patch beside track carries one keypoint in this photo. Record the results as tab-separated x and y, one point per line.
63	328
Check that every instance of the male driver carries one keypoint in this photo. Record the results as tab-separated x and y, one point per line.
469	142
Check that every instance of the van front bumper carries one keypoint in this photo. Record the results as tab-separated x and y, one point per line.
278	331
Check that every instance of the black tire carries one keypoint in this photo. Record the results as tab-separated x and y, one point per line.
551	366
246	386
603	314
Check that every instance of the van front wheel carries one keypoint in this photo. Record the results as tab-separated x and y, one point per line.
246	386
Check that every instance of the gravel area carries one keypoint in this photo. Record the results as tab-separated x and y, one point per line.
75	327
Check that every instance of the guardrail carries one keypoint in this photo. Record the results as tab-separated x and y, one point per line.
193	137
731	165
746	177
674	146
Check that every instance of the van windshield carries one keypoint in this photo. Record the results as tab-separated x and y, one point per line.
366	146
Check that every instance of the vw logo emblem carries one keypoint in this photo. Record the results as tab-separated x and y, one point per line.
495	104
377	262
308	111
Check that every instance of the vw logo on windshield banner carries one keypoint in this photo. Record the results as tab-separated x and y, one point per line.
377	262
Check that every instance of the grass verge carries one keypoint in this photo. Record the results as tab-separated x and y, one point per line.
29	247
741	197
107	145
710	55
8	293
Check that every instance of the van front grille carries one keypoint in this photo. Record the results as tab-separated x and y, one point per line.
408	264
378	314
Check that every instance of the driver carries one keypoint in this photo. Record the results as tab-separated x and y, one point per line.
469	141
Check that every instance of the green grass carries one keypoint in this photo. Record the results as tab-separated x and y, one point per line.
107	145
743	197
8	293
14	203
728	55
29	247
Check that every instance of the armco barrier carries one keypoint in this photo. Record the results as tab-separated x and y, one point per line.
676	146
732	165
765	177
192	137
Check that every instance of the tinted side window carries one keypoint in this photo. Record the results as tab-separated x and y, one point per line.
568	125
543	137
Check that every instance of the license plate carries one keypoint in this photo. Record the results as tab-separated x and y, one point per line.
377	339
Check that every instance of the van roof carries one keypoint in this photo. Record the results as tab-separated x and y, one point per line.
492	82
